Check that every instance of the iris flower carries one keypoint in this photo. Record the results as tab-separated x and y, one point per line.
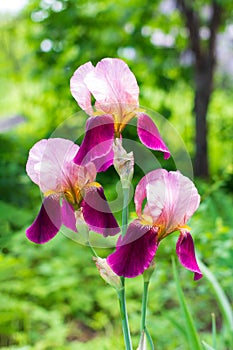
69	191
115	90
171	199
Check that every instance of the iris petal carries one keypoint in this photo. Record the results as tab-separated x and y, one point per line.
97	143
79	89
134	251
47	163
113	85
186	253
68	217
97	214
149	135
47	223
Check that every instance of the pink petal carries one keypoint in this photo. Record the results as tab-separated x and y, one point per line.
97	214
149	135
186	254
79	89
47	223
46	165
78	175
135	251
171	198
184	198
141	192
97	143
112	83
68	216
181	199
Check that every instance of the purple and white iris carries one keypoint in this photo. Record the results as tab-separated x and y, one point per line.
69	190
116	93
171	199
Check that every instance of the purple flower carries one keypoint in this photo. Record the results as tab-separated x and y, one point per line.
171	199
68	190
116	92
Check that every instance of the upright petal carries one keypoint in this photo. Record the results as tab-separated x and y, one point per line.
171	198
149	135
97	214
177	195
112	83
135	251
47	223
79	89
141	192
68	216
46	165
186	253
184	198
97	143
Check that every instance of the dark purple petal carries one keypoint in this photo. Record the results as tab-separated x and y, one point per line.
47	223
97	143
135	251
186	253
97	214
68	217
103	163
149	135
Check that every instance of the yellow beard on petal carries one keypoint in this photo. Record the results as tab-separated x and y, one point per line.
93	184
74	196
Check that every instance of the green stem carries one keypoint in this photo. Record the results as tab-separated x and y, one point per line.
144	309
91	248
124	316
144	305
126	191
121	292
214	343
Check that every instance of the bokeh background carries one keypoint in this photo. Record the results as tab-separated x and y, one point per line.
181	53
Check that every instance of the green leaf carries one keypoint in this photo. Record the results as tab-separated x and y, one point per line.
193	339
206	346
223	301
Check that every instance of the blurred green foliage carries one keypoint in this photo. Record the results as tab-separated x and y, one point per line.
51	296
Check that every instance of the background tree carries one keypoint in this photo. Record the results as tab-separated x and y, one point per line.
204	52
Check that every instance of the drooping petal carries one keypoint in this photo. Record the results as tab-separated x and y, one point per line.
186	253
135	251
149	135
68	216
46	165
97	143
97	214
47	223
79	89
112	83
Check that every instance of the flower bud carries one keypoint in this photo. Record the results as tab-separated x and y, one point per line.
123	163
107	274
142	343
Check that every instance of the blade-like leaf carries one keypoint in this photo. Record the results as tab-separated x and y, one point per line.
206	346
222	299
193	339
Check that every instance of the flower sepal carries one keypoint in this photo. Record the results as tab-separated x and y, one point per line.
149	272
